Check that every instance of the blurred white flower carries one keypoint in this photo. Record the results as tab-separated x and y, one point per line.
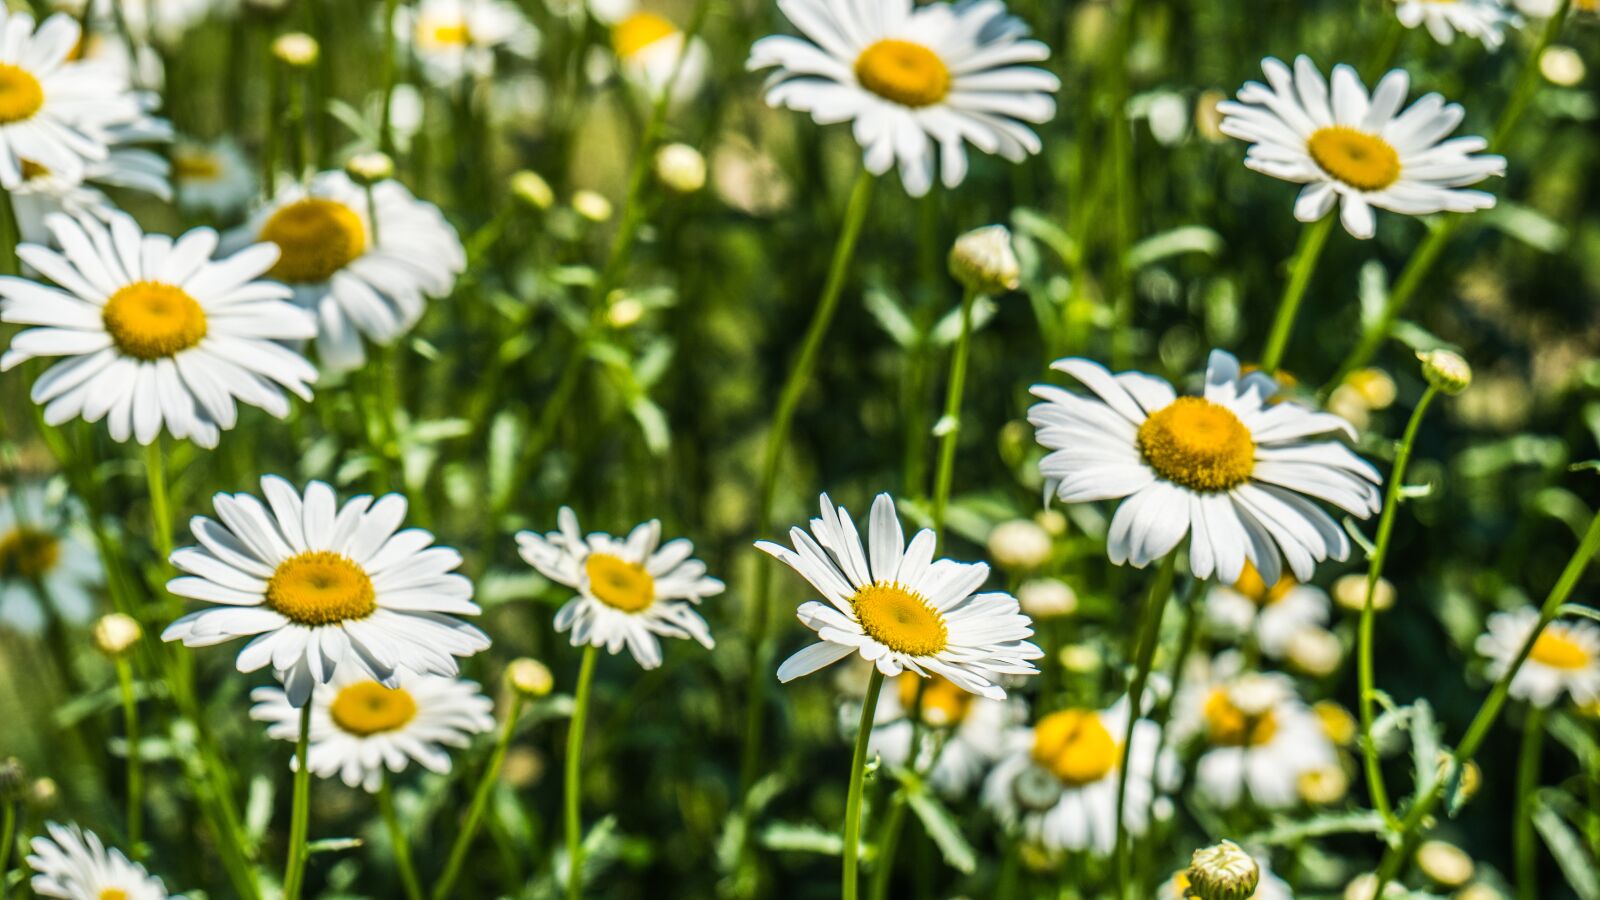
457	38
44	541
212	177
44	192
72	863
963	734
1485	20
1272	614
1564	658
648	47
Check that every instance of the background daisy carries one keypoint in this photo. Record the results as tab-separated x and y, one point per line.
1565	657
43	546
1273	615
457	38
213	178
648	45
1485	20
72	863
963	734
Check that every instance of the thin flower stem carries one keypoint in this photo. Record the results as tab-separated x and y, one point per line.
1524	850
1404	843
951	422
9	235
294	871
1313	238
397	838
1149	636
155	473
390	75
480	800
8	836
852	806
888	843
580	714
1380	554
130	730
777	441
1119	154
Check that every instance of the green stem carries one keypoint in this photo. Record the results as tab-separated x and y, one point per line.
294	871
10	235
397	838
951	423
580	713
852	805
1405	841
480	800
8	835
1149	636
1524	850
1120	156
1380	553
130	728
155	472
772	458
1313	238
390	72
888	844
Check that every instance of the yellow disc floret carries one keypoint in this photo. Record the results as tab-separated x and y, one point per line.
638	31
1557	649
618	583
1198	444
367	708
152	320
28	553
900	619
944	704
1075	745
1229	726
318	237
907	73
1251	585
320	587
21	95
1364	161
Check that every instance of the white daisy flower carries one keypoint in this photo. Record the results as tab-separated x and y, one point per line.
647	47
1271	886
357	279
963	734
1564	658
44	542
457	38
44	192
360	727
1274	615
1057	784
73	863
1485	20
1232	468
911	78
1355	150
631	592
54	111
905	611
212	178
1260	739
322	588
155	332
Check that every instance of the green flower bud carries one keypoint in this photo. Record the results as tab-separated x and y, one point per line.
1223	872
1446	371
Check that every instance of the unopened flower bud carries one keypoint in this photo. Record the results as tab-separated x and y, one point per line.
529	677
531	188
43	793
1350	592
1223	872
1470	779
115	633
624	312
1020	544
1445	863
1446	371
370	167
296	49
1047	598
592	206
13	779
1324	785
984	262
1315	651
681	168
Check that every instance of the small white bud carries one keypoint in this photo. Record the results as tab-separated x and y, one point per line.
296	49
1315	651
1445	863
1047	598
531	188
1020	544
115	633
1446	371
370	167
681	168
984	261
529	677
1350	592
592	206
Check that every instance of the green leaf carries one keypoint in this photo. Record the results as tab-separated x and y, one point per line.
1575	736
653	423
1424	745
1175	242
1527	225
1364	821
1578	609
801	838
333	845
891	318
945	832
948	329
1037	225
1579	868
1373	291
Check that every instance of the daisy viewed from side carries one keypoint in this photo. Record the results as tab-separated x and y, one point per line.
154	333
1233	469
903	610
361	727
359	277
631	591
1485	20
321	588
1272	615
72	863
917	82
964	733
1565	657
43	545
458	38
1356	150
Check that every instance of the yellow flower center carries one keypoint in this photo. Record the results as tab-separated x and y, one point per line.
318	238
1336	721
639	31
1251	585
441	34
1364	161
195	165
618	583
1229	726
900	619
367	708
944	704
908	74
28	553
1556	648
1075	745
113	894
20	94
32	170
320	587
1199	445
151	320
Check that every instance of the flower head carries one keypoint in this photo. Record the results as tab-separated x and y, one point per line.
984	261
1565	658
457	38
1485	20
72	863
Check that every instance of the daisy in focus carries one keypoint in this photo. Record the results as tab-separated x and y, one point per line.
43	550
360	727
631	591
459	38
1273	615
903	611
1233	469
359	277
212	178
648	47
1356	150
1565	657
963	733
1057	784
1485	20
72	863
321	588
917	82
153	332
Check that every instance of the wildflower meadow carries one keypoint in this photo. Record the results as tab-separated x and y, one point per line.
1074	449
